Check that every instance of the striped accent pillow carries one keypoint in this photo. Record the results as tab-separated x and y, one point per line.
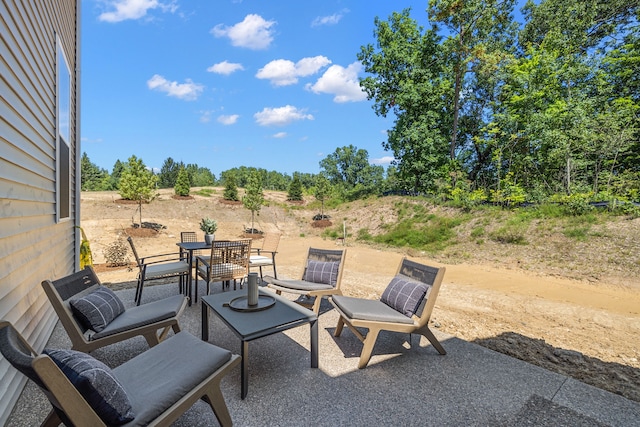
404	295
96	383
322	272
97	309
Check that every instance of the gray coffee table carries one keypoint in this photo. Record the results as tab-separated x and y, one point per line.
249	326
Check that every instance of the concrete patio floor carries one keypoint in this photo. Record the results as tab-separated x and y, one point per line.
403	385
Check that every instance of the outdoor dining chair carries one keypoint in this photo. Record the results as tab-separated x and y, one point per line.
228	260
162	266
405	306
266	255
321	277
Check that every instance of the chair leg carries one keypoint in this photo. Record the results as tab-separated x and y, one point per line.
152	339
139	291
215	399
339	327
275	274
316	305
367	349
426	332
52	420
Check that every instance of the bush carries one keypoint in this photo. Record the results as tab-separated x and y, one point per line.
116	254
182	186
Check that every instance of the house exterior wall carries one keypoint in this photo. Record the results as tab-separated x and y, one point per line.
35	243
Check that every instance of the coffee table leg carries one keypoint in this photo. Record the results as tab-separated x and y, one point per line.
314	343
205	322
244	371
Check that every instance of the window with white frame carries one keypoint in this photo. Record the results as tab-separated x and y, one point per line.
63	132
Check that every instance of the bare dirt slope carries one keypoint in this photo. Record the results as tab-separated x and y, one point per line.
573	310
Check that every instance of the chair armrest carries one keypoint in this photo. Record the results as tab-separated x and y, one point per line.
172	254
164	260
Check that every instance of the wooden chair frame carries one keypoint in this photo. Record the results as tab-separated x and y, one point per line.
420	323
68	403
60	291
315	254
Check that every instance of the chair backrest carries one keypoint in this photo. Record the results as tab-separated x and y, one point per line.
326	255
135	253
229	259
62	290
270	242
190	236
430	276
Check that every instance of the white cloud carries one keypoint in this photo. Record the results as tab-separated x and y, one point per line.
228	120
283	72
134	9
330	19
341	82
225	67
188	91
280	116
386	160
253	32
205	116
280	135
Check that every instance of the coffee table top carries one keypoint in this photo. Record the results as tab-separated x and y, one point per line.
283	315
192	246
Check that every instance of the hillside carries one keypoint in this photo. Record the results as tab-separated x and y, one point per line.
567	297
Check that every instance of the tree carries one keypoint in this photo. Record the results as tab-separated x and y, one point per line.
322	191
407	78
295	189
182	186
169	173
253	198
116	172
92	177
230	187
137	183
349	169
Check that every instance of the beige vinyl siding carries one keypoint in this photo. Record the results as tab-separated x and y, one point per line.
33	245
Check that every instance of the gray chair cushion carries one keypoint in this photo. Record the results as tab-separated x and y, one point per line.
167	268
141	315
96	383
404	294
298	284
97	309
322	272
366	309
157	378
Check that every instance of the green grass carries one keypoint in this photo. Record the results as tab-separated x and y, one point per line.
205	192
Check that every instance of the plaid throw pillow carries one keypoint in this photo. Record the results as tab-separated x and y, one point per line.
322	272
97	309
96	383
404	295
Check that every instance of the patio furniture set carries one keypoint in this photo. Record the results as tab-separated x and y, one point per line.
84	391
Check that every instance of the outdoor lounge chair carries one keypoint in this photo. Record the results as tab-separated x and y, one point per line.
145	320
266	255
321	277
153	388
162	266
405	306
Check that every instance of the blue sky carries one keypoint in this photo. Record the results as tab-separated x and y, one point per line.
229	83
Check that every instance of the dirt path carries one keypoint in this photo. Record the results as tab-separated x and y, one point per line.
583	329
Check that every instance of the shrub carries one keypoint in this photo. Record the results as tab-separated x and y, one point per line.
116	254
182	186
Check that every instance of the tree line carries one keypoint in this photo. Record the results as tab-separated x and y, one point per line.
482	103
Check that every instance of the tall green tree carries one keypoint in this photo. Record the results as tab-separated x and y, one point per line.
407	78
230	187
295	189
92	177
348	167
182	186
137	183
253	197
169	173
